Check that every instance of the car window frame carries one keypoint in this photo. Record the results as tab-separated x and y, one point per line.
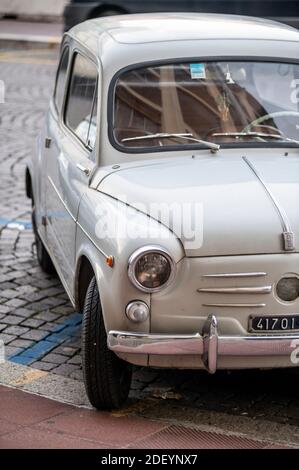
66	46
182	147
75	51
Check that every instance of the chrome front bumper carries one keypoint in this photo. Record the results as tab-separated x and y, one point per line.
209	345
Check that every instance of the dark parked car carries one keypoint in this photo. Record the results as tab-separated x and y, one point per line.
286	11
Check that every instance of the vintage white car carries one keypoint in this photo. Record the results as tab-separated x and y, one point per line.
166	194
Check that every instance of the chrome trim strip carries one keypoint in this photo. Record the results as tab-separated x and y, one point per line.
229	275
168	345
92	241
143	251
61	200
288	235
235	305
143	343
237	290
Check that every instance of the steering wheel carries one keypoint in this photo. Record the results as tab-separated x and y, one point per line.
266	117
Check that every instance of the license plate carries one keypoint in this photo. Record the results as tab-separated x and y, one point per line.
272	323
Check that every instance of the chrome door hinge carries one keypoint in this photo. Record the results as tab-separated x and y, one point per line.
48	141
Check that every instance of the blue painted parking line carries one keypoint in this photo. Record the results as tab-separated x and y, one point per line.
12	223
65	331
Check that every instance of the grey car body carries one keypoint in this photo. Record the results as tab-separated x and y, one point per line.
201	318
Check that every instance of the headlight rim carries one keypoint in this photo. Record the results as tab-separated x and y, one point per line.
135	257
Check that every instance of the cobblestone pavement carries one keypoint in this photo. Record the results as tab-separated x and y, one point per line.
37	322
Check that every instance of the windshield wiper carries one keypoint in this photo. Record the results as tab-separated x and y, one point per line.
166	135
262	135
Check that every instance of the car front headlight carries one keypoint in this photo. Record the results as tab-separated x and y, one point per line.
151	268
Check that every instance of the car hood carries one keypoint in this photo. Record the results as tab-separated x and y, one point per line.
216	205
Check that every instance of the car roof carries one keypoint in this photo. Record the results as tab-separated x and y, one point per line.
161	27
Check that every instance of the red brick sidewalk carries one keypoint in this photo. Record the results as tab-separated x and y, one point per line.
30	421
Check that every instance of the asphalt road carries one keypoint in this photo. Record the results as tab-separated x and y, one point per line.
38	324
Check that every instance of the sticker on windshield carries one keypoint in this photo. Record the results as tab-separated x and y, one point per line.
198	71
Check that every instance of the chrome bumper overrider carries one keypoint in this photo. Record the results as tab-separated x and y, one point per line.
208	344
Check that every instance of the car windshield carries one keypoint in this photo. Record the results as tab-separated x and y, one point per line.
199	103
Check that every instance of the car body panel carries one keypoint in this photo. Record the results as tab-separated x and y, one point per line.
223	185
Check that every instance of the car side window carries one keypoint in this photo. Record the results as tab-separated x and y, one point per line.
61	79
81	105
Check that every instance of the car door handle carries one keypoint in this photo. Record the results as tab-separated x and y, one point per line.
48	142
84	170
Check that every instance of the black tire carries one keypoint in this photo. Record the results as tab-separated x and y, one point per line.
43	257
107	378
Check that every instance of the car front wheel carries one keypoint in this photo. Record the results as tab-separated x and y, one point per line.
107	378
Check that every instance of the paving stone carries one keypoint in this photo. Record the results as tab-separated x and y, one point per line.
4	309
6	257
24	280
9	293
61	320
3	326
6	338
33	322
13	320
35	335
23	312
18	274
40	365
64	310
26	289
33	296
54	301
16	303
65	350
38	350
65	369
38	306
22	343
44	283
77	360
16	330
8	285
55	358
47	316
64	296
53	291
11	351
74	343
52	327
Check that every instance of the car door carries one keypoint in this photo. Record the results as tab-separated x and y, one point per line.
71	162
